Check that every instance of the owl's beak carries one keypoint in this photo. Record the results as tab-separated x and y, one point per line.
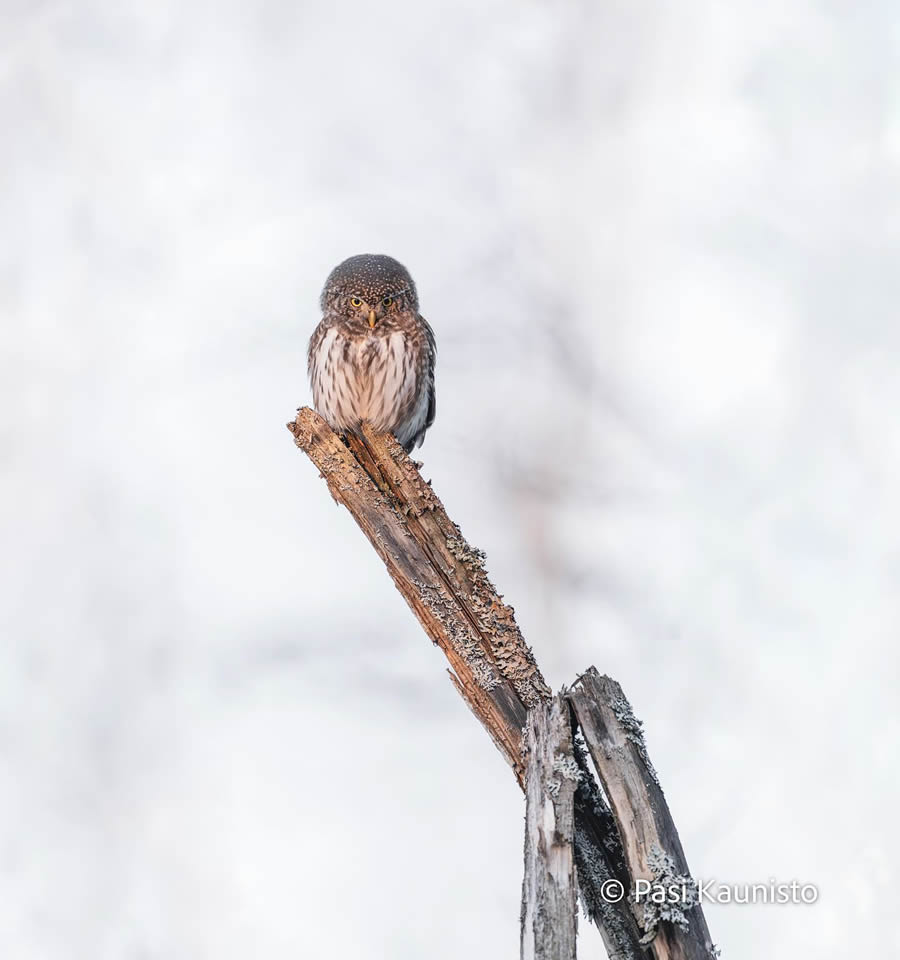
371	318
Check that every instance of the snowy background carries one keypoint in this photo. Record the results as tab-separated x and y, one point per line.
661	239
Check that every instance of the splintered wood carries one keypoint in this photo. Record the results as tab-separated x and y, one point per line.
606	839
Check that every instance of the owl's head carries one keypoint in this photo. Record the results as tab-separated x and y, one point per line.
368	287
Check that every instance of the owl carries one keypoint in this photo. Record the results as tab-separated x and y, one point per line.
371	358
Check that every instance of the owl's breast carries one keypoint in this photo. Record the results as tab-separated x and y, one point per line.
385	377
358	377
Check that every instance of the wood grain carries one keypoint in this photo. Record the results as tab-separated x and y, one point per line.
549	908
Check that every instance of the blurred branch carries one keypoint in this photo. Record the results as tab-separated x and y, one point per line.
443	580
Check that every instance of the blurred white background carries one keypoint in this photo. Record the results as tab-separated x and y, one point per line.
658	244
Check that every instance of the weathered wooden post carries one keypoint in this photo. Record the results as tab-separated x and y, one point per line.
569	820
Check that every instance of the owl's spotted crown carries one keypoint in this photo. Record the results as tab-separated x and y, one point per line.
370	276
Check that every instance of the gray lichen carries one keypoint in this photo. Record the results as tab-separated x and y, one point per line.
593	873
567	767
329	464
634	732
496	623
673	895
463	639
594	799
466	554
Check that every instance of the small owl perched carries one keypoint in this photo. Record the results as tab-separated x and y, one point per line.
371	358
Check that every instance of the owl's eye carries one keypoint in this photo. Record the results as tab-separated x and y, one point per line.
356	301
387	301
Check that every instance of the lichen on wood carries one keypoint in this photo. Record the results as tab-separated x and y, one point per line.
674	895
650	842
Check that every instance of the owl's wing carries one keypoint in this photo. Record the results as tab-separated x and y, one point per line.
431	349
314	354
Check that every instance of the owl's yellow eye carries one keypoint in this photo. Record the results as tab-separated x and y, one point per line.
387	301
356	301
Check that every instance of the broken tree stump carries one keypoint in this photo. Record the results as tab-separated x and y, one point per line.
443	579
